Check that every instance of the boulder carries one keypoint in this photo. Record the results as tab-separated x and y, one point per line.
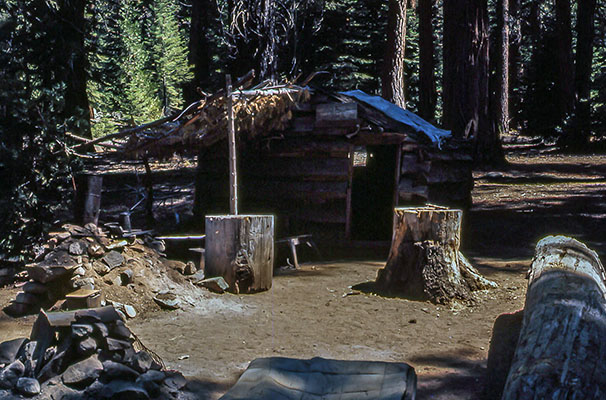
83	373
11	374
10	349
113	370
113	259
28	386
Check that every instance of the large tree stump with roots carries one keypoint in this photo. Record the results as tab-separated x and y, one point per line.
240	248
561	349
425	262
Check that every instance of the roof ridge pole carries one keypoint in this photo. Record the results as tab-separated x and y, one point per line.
231	138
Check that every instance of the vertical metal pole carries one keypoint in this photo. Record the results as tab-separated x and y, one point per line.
231	138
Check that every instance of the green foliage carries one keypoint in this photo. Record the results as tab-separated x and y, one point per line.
139	62
34	170
170	53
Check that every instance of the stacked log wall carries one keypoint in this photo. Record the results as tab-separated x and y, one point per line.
433	175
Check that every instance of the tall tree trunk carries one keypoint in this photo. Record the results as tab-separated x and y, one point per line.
501	98
427	83
203	13
515	62
584	58
466	77
565	82
268	60
76	99
393	63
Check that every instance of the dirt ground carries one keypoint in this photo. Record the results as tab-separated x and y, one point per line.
318	311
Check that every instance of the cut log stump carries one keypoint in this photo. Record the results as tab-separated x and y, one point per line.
561	349
425	262
240	248
88	198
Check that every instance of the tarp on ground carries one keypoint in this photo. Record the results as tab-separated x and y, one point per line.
280	378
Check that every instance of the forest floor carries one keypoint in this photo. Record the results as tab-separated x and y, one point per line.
315	312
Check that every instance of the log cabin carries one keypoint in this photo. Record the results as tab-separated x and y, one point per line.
330	164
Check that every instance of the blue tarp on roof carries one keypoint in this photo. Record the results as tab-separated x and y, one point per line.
418	124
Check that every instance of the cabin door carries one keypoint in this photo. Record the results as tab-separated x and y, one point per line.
372	192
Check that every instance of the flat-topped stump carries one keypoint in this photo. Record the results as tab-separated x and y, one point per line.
240	248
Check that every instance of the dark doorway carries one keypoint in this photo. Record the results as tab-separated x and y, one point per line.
372	195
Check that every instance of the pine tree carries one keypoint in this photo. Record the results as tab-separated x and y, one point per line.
169	54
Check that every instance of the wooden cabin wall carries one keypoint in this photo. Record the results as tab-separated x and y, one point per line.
303	181
437	176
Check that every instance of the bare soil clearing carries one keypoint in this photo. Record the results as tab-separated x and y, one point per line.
316	312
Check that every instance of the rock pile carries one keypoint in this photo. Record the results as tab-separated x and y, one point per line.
89	269
86	354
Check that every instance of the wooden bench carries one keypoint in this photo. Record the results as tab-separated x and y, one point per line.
294	241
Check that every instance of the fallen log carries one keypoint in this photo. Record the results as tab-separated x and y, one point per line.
424	260
561	349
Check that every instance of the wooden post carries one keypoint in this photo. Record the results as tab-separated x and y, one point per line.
240	248
424	260
231	138
87	202
561	349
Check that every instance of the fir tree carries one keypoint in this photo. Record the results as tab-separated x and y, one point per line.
169	54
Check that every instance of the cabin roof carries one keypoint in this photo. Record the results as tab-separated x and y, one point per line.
280	110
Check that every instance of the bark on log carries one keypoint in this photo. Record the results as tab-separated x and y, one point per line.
425	262
240	248
87	202
561	349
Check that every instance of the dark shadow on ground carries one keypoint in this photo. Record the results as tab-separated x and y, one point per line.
462	372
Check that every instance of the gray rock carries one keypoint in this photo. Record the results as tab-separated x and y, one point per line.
80	271
11	374
9	350
100	268
119	389
116	345
115	370
34	287
101	329
78	247
130	311
81	331
95	250
152	375
126	276
190	268
113	259
83	372
216	284
6	394
83	283
87	347
26	355
168	304
120	330
141	361
27	298
28	386
175	381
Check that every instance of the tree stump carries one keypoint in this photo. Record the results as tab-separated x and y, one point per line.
240	248
561	349
87	202
424	261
